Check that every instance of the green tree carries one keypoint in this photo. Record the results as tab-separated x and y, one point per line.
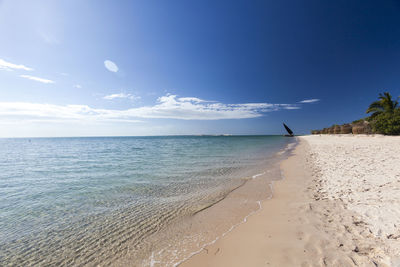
385	118
387	123
385	104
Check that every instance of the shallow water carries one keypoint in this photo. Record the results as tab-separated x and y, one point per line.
89	201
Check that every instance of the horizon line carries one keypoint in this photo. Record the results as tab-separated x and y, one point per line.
166	135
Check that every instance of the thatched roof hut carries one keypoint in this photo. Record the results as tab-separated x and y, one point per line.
358	127
336	129
345	129
362	128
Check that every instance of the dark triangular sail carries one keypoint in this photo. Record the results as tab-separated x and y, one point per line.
288	129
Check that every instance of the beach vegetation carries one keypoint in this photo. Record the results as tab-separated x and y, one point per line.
385	104
387	123
358	121
385	118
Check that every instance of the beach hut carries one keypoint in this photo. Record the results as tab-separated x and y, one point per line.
345	129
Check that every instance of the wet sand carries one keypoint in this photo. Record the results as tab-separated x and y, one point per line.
302	225
192	234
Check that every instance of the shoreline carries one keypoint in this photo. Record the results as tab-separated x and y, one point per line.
233	227
245	244
299	226
219	219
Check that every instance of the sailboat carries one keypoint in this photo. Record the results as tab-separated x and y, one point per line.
290	132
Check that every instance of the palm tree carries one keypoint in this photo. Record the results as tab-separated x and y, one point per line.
385	104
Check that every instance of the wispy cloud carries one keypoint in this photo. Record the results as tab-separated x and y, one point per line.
309	100
111	66
37	79
35	112
121	95
77	86
193	99
167	107
4	65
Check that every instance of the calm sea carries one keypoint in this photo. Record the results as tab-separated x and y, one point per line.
89	201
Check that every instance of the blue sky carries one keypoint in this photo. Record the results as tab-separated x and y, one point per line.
85	68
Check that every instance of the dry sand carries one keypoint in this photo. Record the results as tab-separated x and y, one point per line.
338	205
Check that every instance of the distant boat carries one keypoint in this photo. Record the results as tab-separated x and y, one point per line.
290	132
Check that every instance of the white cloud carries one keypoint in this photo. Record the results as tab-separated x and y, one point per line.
111	66
121	95
10	66
167	107
309	100
77	86
33	78
192	99
35	112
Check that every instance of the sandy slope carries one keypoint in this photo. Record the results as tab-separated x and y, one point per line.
305	225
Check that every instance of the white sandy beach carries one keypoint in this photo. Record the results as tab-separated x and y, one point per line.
362	172
338	205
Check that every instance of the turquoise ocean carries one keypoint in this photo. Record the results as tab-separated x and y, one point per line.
99	200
